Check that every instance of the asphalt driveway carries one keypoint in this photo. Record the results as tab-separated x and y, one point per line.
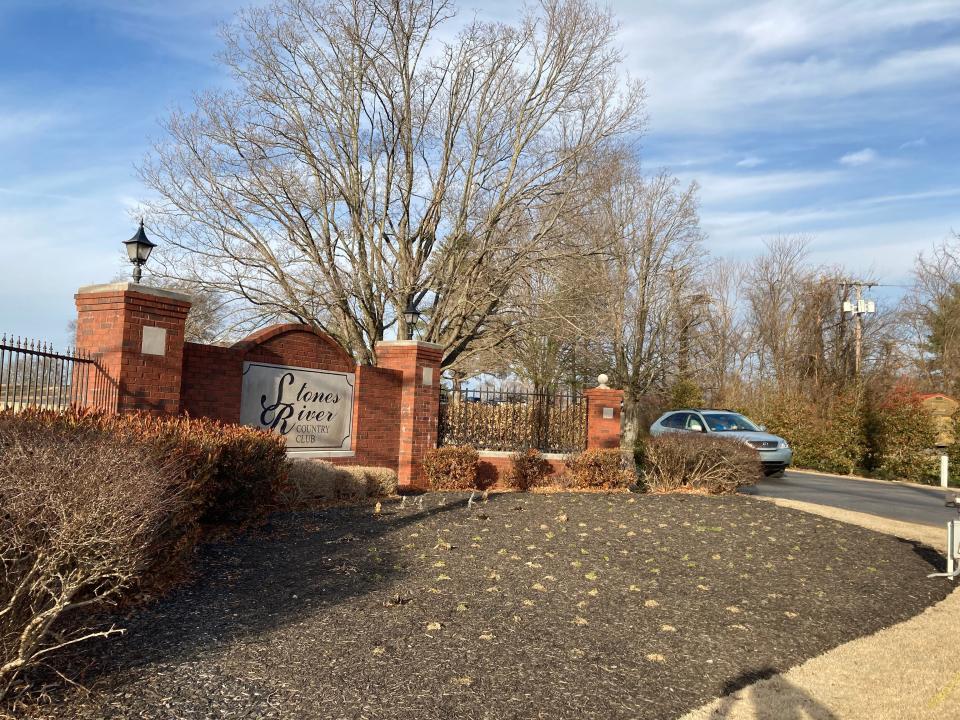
908	503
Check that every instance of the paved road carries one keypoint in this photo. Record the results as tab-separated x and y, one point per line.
923	505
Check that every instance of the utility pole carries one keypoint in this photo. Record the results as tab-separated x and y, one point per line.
857	310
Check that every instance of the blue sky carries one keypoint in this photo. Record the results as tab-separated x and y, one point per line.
837	120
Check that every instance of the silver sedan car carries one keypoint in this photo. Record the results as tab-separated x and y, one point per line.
775	453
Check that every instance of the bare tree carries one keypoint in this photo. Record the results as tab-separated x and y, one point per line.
932	317
721	342
363	163
652	226
801	341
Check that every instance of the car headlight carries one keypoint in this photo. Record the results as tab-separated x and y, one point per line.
783	445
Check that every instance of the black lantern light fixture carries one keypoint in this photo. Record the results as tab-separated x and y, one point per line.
411	315
139	248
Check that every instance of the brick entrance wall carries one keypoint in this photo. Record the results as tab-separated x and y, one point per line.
136	334
212	378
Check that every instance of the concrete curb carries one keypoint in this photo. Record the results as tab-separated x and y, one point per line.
907	483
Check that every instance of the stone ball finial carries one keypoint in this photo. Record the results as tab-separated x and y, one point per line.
602	379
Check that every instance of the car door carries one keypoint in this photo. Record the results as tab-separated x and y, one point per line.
676	422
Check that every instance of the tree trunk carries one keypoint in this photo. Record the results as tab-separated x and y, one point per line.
630	428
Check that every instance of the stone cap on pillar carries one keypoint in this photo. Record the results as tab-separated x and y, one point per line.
602	390
409	343
131	287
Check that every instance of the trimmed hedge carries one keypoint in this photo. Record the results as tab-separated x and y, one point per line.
599	469
528	469
222	474
313	480
452	467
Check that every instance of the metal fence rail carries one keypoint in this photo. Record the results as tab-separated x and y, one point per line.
33	374
513	421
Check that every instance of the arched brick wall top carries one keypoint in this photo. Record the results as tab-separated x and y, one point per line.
295	344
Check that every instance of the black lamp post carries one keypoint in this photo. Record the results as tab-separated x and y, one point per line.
138	250
411	315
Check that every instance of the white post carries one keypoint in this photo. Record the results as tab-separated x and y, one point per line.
951	548
944	471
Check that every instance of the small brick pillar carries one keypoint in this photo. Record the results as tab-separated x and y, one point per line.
136	334
419	362
603	417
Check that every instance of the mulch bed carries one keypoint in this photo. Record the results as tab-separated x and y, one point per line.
527	606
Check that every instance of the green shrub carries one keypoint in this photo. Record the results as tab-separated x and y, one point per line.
452	467
714	465
826	435
598	469
528	469
902	435
686	393
640	452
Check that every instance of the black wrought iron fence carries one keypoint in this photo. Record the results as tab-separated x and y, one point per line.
511	421
33	374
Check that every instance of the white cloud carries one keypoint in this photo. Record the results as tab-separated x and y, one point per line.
713	67
860	157
751	161
718	188
19	124
910	144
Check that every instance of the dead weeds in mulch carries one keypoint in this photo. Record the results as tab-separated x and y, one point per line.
524	606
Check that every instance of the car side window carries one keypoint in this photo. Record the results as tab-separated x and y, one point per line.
694	423
677	421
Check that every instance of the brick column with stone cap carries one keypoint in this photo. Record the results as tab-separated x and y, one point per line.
603	415
419	362
136	335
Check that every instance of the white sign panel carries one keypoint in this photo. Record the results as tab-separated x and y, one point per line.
312	409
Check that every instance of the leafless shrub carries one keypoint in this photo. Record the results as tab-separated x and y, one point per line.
598	469
699	462
79	513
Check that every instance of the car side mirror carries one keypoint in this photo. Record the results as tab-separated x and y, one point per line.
762	428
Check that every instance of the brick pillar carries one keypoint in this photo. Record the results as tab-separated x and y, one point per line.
419	363
603	417
136	334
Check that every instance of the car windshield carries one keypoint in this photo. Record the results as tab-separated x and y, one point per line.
728	422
